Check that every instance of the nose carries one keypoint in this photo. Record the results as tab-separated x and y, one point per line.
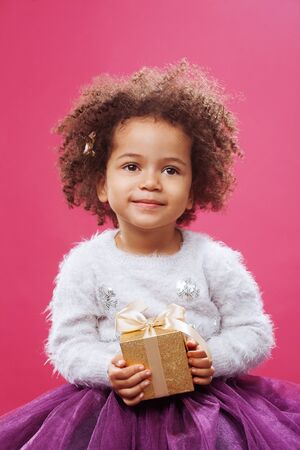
150	181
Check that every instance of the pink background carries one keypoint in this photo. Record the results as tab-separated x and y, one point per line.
49	49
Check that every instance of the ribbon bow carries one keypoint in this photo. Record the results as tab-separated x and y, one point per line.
131	319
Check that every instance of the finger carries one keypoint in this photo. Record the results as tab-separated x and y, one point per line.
126	372
134	401
134	391
114	373
202	372
134	380
117	359
197	354
200	362
191	343
202	381
121	363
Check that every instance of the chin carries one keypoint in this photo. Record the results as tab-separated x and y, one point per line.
151	226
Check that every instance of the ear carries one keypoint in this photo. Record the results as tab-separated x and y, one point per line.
102	190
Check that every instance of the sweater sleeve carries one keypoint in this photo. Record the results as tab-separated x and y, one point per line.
73	345
246	332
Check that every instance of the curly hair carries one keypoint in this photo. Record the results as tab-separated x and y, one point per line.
181	94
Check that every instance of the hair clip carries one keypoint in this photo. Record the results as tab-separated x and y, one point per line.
89	146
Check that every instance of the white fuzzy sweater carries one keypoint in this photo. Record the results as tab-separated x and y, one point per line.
209	279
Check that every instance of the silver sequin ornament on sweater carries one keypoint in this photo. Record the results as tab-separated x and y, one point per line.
107	298
187	289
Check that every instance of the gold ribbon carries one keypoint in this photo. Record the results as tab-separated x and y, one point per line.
131	319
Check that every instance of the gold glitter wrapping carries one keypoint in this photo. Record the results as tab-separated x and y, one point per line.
173	356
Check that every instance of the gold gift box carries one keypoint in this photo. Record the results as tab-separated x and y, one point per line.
167	351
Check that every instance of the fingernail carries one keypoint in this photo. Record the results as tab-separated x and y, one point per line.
141	394
146	383
120	362
141	367
147	373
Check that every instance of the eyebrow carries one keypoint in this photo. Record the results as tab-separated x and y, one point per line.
137	155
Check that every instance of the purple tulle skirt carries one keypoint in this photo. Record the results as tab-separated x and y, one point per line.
247	412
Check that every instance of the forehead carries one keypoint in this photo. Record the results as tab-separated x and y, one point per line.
149	132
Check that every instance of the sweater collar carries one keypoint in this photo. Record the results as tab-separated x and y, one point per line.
110	234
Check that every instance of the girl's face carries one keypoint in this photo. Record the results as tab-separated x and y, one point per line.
149	175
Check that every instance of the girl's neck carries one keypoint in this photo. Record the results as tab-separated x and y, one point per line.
163	241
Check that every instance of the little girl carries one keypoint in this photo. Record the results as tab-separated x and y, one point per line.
147	151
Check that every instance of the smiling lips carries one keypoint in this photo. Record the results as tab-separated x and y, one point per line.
148	202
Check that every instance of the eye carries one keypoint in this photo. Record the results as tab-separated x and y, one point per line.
130	167
171	170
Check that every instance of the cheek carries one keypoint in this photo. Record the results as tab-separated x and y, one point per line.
180	190
114	182
117	189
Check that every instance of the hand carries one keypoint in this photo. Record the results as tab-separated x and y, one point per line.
201	366
128	382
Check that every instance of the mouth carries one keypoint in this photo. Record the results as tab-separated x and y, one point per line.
148	203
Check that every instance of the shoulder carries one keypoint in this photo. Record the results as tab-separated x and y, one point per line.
211	248
85	253
222	263
217	257
219	251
